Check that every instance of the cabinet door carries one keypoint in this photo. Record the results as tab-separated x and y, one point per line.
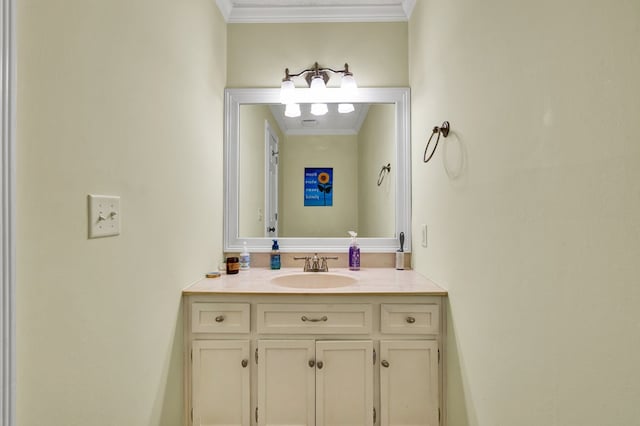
286	382
344	383
221	383
409	383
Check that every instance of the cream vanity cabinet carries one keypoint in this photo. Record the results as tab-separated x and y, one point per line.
325	360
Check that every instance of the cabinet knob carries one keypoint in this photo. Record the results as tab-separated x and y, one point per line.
220	318
311	363
411	320
385	363
245	363
320	365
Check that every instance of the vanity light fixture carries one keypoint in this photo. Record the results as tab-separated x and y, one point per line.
316	78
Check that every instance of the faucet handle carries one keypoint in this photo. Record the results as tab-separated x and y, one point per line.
325	267
307	265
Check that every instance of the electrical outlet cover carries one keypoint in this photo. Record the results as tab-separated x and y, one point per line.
104	215
424	235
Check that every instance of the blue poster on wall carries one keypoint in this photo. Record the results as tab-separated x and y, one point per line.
318	186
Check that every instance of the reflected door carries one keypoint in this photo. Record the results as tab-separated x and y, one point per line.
271	182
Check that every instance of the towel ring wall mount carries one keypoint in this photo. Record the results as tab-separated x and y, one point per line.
442	130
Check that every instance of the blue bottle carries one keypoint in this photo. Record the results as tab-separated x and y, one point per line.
275	255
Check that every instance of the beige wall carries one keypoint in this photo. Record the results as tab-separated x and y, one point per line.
259	53
298	152
376	148
537	234
251	210
532	202
118	98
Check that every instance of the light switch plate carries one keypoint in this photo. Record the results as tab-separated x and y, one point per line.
104	215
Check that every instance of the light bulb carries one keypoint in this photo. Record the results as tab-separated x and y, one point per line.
319	109
317	84
287	89
292	110
348	83
345	108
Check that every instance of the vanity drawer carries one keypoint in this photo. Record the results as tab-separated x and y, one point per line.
347	318
220	317
409	318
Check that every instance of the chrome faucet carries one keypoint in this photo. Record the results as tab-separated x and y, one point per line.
315	263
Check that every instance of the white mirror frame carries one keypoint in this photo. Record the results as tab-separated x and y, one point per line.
234	98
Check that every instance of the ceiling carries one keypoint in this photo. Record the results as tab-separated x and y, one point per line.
267	11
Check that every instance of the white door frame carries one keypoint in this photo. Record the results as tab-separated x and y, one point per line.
7	213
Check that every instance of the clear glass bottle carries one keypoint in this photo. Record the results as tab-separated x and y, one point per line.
245	258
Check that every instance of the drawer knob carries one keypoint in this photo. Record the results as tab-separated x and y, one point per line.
220	318
411	320
320	365
245	363
385	363
321	319
311	363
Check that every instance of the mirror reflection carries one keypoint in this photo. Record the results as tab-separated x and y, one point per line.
317	176
267	191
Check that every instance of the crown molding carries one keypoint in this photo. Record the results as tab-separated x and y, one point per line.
408	6
299	14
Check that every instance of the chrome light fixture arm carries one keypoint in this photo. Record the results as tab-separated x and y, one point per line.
317	78
316	71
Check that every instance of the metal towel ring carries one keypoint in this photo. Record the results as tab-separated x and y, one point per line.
383	172
442	130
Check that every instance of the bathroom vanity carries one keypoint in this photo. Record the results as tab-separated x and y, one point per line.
288	348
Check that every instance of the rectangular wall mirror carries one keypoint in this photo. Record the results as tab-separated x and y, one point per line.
307	180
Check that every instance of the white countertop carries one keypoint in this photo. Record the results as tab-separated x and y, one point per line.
369	281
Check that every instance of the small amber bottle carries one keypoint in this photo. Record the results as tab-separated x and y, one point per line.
233	265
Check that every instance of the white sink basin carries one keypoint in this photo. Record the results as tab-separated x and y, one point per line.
314	280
